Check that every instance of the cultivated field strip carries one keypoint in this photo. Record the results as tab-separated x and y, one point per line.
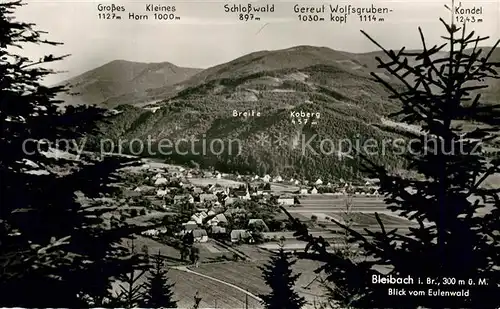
248	276
213	293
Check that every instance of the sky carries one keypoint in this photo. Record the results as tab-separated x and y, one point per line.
206	35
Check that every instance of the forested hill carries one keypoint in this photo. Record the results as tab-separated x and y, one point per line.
352	106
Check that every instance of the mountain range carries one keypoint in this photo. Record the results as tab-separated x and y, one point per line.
163	101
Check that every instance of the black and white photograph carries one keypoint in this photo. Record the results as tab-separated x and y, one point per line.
257	155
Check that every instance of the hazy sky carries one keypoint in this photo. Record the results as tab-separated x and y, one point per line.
205	35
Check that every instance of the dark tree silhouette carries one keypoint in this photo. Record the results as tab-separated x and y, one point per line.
458	216
194	254
59	243
184	251
131	295
158	291
278	275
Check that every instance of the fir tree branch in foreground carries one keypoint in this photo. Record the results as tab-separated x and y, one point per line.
60	241
278	276
457	216
158	291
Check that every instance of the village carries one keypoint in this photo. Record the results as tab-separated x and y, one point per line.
235	222
214	196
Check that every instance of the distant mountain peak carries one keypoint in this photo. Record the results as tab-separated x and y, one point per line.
120	77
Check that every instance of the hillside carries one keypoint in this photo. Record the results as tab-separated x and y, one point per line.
298	57
352	108
307	79
124	79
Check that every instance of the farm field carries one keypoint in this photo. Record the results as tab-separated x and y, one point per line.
394	220
159	164
212	247
283	188
363	219
214	294
248	276
254	252
208	251
155	246
339	199
289	234
203	182
153	215
287	245
325	203
359	218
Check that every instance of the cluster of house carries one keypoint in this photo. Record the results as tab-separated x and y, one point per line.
314	187
205	223
198	227
183	175
160	185
208	220
369	188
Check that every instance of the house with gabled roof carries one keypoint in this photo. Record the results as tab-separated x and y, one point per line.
199	217
200	235
240	235
219	218
190	225
214	229
161	181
